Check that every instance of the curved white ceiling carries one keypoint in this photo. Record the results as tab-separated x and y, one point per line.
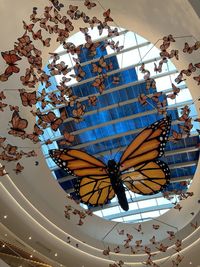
33	200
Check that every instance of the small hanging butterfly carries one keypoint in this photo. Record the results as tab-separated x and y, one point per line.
2	106
176	136
19	168
92	100
2	95
116	80
156	226
113	32
11	58
171	235
138	243
169	38
155	96
121	232
46	42
197	65
194	225
68	139
2	140
142	99
63	114
57	4
89	4
153	240
159	67
18	125
196	45
106	251
187	49
11	150
4	156
150	83
174	53
35	135
29	27
72	11
162	248
31	153
28	99
190	70
14	108
99	84
106	15
197	78
96	68
117	249
51	119
176	90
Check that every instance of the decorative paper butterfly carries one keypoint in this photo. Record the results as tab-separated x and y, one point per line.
190	70
51	118
176	90
28	99
18	125
35	135
138	169
68	139
11	58
89	4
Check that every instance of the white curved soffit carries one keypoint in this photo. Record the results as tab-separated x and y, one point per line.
34	194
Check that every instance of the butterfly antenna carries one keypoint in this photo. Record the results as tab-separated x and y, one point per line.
101	157
110	153
120	148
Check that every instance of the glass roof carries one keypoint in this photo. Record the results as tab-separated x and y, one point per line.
118	117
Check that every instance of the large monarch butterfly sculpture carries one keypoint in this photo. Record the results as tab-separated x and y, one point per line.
138	169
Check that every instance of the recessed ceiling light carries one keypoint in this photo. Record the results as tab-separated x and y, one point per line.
31	256
5	216
56	254
3	246
5	234
190	262
30	238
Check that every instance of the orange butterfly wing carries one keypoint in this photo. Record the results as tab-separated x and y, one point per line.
148	145
94	186
11	69
147	178
10	57
55	124
49	117
18	123
141	171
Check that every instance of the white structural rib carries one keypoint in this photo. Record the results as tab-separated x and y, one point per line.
113	54
130	117
116	72
98	40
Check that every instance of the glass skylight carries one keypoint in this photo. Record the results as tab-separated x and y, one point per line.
136	50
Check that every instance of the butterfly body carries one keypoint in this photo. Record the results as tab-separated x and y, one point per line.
114	174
